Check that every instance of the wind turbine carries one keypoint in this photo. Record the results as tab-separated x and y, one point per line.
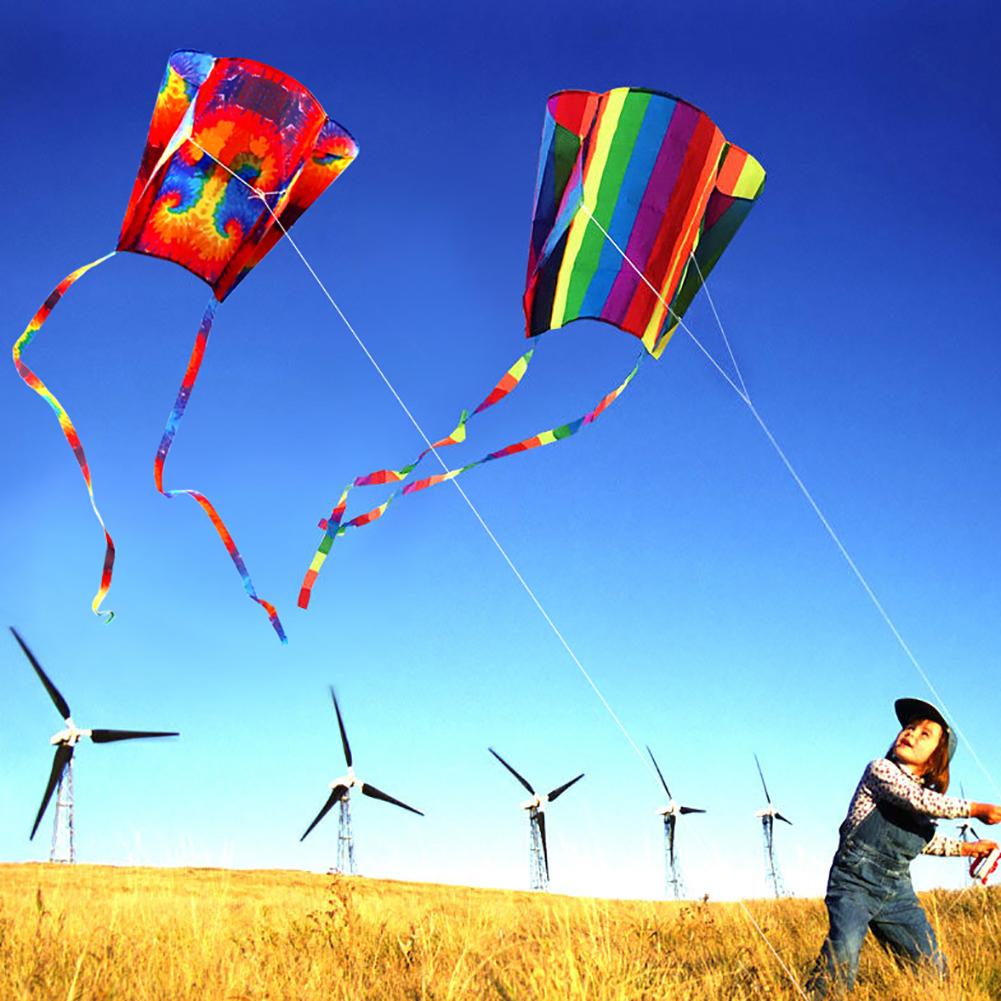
340	792
768	817
672	875
538	851
61	777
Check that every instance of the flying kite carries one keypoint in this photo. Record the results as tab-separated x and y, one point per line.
637	196
236	152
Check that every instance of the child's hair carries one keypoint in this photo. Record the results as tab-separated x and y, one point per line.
936	773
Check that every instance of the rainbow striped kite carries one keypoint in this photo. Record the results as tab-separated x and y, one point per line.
633	185
636	198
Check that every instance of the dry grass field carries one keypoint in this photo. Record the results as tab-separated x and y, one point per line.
95	933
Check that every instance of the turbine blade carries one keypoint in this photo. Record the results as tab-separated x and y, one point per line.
541	820
63	754
690	809
107	736
559	790
762	776
520	778
370	790
659	773
335	794
778	816
672	826
57	699
340	724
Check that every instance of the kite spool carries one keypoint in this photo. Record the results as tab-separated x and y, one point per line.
983	866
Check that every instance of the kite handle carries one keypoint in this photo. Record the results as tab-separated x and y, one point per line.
982	867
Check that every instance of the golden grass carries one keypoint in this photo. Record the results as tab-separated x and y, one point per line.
95	933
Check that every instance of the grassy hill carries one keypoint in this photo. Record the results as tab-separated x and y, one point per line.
89	933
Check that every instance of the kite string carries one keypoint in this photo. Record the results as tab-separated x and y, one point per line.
517	573
835	538
472	507
850	561
719	323
681	323
469	503
773	950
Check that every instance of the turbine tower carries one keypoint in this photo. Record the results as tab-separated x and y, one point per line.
673	884
768	817
340	793
63	847
538	851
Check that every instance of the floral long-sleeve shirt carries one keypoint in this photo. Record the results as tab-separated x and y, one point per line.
884	781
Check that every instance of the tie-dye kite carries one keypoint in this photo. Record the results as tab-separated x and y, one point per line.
636	198
236	152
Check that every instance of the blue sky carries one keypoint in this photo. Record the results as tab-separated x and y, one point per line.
667	542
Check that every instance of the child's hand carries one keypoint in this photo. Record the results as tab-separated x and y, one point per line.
978	848
989	813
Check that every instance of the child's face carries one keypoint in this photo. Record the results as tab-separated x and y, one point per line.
916	743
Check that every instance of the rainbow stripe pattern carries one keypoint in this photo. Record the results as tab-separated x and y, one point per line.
236	152
176	413
657	175
65	424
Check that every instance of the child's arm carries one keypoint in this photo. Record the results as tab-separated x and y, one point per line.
942	845
888	783
978	848
989	813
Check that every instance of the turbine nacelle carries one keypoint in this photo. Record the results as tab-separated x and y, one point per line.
673	809
771	812
71	736
535	803
348	781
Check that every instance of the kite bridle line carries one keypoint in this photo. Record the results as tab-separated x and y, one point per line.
472	507
420	430
719	323
853	566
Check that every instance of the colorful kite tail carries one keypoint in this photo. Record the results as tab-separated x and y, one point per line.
65	424
556	434
332	526
180	405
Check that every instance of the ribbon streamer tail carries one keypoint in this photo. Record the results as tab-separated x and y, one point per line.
170	429
65	424
334	527
550	437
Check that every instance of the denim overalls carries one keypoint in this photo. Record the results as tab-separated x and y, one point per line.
870	887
